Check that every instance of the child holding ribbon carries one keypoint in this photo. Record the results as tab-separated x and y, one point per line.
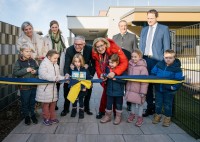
114	92
26	67
136	91
47	93
169	68
79	72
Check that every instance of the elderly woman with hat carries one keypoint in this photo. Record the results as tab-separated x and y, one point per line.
102	49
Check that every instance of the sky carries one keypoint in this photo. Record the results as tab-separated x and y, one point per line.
41	12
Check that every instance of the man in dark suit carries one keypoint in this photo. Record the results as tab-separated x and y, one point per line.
86	50
127	41
154	40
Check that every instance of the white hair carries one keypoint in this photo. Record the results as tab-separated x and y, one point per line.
79	37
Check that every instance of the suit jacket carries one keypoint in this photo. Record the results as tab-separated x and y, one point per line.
161	41
128	43
87	54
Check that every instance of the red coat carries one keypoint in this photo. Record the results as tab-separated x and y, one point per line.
113	49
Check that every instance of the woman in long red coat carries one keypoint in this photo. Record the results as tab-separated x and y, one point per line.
102	49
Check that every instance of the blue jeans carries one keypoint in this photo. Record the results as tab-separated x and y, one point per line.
164	100
28	101
118	100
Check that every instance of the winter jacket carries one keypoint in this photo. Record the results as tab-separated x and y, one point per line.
36	44
134	89
48	46
87	55
48	71
115	87
113	49
170	72
20	71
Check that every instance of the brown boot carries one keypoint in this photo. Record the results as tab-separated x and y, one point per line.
118	117
107	116
166	121
156	119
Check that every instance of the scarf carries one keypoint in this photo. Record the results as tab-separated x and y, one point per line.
57	42
103	60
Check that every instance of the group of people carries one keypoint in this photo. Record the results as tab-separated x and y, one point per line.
49	59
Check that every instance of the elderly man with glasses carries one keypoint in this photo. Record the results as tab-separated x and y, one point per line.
86	50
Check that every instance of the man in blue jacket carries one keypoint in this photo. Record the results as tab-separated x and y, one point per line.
154	40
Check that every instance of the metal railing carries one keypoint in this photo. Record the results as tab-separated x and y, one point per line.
186	43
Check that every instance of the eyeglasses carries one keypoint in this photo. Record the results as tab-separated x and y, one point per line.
100	46
169	57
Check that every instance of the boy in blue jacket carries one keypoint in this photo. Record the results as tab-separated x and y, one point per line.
169	68
114	92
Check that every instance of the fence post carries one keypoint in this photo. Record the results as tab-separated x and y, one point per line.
198	54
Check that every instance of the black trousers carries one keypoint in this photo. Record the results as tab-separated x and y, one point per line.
86	100
150	92
80	100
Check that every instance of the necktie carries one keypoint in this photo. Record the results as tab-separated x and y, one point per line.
148	49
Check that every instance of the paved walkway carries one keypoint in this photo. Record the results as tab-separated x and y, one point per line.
90	129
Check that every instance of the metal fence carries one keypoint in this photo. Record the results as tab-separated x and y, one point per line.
186	43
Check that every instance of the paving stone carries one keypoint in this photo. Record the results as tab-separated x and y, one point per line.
52	138
17	138
89	118
159	129
66	128
147	138
90	129
122	128
100	138
77	128
38	128
182	138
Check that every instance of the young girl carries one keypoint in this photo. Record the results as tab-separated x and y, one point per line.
47	94
79	63
114	92
136	91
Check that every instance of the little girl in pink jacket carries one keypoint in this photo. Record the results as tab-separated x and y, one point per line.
136	91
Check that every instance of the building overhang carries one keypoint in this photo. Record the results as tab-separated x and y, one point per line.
90	27
174	17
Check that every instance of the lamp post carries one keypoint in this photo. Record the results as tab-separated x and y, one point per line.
92	7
